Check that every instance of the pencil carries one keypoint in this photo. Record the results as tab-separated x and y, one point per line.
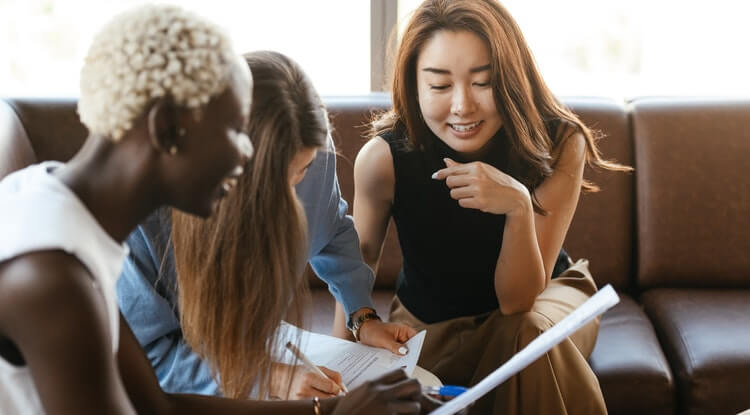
310	365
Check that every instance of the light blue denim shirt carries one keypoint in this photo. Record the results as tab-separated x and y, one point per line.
147	289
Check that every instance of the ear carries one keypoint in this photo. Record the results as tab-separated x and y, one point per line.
162	129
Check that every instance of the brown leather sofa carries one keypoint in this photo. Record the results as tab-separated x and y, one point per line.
672	238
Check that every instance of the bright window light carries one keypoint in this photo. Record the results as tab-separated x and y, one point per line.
631	48
43	42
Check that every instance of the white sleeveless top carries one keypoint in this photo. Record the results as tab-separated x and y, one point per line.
38	212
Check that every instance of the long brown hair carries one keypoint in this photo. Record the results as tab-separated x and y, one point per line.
526	105
240	271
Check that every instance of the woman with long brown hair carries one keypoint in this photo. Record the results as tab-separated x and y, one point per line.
481	168
240	272
210	314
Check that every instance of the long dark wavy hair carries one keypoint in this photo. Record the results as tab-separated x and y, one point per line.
240	271
534	119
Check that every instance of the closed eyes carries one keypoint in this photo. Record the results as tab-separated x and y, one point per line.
444	87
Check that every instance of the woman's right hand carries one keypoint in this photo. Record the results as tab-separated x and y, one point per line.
391	394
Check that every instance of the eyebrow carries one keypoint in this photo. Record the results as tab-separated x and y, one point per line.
439	71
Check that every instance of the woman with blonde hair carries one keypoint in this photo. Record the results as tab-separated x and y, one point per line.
166	102
481	167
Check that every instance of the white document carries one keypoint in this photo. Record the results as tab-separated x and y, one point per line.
356	362
596	305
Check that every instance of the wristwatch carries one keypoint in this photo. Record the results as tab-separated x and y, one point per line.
357	323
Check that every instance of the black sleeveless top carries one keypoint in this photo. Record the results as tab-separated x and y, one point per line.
450	253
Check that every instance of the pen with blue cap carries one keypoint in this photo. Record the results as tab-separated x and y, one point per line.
445	390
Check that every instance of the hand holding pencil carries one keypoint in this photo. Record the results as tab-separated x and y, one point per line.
319	381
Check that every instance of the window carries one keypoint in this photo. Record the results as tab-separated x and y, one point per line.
620	49
44	41
632	48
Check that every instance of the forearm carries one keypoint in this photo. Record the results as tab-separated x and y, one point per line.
340	329
519	275
339	263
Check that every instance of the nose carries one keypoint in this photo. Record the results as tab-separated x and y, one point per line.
463	102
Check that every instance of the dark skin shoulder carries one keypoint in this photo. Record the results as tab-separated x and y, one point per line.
68	350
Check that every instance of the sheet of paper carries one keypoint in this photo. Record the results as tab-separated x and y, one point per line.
356	362
596	305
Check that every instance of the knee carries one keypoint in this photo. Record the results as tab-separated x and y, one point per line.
530	325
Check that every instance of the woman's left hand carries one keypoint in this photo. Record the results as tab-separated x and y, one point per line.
391	336
478	185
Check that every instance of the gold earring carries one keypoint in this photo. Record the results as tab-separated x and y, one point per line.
173	150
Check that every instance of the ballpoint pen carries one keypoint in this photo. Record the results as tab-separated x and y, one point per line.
445	390
310	365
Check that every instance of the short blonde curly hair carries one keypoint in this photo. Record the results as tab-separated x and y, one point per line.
147	53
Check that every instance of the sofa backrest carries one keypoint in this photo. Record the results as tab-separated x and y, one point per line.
603	228
693	195
51	126
49	129
693	192
15	147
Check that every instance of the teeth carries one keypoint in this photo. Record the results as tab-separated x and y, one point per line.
465	127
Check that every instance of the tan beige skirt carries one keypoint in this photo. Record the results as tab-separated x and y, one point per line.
464	350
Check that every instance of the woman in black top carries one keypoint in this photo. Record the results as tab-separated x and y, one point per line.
481	168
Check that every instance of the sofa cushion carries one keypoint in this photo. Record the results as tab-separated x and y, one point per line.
693	192
633	372
706	337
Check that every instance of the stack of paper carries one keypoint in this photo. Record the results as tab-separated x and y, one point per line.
356	362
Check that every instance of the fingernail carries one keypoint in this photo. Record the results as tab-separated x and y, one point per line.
403	350
435	175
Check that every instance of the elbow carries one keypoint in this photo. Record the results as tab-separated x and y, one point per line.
370	256
519	300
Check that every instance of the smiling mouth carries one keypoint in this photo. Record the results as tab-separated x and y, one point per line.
463	128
